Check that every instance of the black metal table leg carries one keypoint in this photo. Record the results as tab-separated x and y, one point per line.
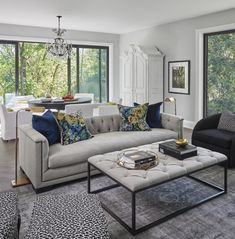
133	202
88	178
133	227
225	176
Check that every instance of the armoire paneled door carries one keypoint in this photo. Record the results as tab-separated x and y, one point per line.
141	75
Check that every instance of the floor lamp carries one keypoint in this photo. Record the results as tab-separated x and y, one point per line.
23	180
18	181
171	100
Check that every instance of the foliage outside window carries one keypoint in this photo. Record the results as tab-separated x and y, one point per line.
7	68
37	74
220	72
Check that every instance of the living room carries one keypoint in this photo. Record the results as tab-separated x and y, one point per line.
116	55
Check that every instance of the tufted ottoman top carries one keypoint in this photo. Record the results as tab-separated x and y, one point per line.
168	167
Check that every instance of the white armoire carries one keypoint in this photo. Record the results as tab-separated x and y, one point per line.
141	72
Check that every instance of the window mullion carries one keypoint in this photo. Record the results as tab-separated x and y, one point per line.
17	68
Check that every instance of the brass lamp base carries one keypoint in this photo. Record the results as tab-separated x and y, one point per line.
181	142
20	182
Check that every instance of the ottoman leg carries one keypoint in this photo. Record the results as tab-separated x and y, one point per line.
88	178
133	212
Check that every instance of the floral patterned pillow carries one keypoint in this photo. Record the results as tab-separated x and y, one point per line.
134	118
73	128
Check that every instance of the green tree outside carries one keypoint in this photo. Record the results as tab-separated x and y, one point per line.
221	73
40	75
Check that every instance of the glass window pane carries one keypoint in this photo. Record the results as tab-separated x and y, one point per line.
104	75
7	71
220	73
74	86
93	77
89	71
40	75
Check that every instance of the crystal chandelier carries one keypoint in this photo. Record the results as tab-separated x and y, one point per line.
59	48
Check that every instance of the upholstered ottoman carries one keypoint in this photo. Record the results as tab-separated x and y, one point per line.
168	169
9	215
67	216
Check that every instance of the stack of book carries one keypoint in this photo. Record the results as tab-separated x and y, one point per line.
137	160
176	151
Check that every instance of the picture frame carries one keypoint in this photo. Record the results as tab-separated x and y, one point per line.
179	77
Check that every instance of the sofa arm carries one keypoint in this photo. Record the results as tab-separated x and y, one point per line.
33	154
172	122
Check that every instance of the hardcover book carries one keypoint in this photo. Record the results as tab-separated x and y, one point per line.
176	151
138	157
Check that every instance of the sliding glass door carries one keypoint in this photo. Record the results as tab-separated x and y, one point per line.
92	74
219	72
26	69
40	75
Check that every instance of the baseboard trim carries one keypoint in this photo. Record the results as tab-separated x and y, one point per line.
189	124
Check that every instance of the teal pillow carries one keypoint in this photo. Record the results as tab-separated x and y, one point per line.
134	118
73	128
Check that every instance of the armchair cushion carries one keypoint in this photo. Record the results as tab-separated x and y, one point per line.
227	121
221	138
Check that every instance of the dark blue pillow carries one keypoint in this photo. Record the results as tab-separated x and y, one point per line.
47	126
153	117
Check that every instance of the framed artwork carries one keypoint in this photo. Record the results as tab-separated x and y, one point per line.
179	77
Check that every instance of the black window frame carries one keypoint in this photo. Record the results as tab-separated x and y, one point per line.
77	46
205	66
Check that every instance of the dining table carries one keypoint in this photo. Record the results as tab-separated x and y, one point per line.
57	104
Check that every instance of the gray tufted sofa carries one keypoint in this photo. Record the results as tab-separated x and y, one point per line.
46	166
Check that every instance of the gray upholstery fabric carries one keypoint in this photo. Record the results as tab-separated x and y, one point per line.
9	215
103	143
47	166
172	122
103	124
168	167
227	121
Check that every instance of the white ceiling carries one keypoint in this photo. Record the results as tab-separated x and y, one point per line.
112	16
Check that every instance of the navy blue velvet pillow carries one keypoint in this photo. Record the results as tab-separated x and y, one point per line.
153	117
47	126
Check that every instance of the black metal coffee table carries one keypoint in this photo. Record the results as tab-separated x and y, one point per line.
168	169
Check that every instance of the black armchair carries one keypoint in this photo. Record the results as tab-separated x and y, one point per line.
206	135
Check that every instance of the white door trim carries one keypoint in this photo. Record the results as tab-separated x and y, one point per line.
199	65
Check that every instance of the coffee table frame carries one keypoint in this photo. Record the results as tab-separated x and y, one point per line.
133	230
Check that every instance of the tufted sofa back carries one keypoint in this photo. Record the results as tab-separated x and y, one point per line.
103	124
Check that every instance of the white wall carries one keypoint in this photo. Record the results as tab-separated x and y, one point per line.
14	32
177	41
